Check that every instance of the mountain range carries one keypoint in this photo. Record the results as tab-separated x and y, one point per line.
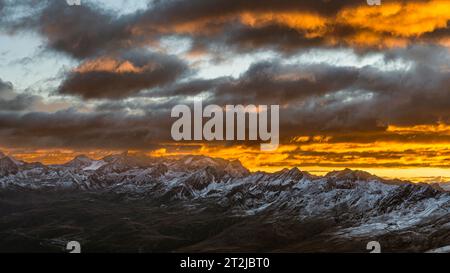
126	203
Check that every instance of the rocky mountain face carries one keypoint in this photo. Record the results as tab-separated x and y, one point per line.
8	167
197	203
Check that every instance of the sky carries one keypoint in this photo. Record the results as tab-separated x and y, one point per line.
361	87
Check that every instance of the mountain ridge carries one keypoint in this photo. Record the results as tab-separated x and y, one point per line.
342	205
198	161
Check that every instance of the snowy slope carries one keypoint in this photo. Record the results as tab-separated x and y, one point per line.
353	204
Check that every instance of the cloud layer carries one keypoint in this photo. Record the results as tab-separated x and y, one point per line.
125	77
121	76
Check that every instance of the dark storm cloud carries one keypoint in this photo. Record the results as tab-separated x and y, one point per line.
82	31
348	103
218	23
287	40
267	82
5	86
114	77
281	84
214	30
88	30
345	103
12	101
18	103
180	11
83	130
374	100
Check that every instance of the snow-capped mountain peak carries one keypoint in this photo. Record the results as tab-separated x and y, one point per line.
79	162
345	204
195	162
354	175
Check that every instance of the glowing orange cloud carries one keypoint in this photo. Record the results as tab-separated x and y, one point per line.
441	128
107	64
314	25
392	24
410	19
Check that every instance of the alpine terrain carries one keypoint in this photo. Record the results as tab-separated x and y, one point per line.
126	203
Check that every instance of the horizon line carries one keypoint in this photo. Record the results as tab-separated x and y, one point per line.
317	170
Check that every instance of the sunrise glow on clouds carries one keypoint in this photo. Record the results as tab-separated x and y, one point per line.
364	87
